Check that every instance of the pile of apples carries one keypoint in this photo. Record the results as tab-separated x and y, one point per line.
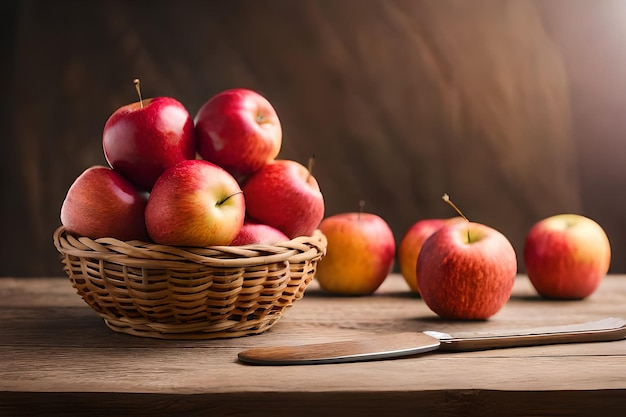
211	180
463	269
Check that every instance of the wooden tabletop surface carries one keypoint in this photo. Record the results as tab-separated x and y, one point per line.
59	358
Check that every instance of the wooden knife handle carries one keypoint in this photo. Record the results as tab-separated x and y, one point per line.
610	329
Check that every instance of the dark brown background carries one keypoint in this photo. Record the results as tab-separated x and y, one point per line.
514	108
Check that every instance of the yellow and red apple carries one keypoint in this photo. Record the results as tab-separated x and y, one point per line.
360	253
411	244
195	203
102	203
466	271
566	256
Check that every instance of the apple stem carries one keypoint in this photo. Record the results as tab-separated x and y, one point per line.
446	198
138	88
310	166
361	207
222	201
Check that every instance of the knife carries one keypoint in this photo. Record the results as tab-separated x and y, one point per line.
412	343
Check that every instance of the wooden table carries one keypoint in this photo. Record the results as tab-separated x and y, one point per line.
58	358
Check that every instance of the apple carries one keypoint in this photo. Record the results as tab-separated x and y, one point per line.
258	234
141	140
466	271
102	203
195	203
285	195
411	244
239	130
566	256
359	254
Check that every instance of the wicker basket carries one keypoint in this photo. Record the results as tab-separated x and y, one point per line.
167	292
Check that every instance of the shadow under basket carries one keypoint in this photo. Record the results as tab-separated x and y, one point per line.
150	290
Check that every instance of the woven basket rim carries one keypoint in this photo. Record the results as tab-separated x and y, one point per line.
141	253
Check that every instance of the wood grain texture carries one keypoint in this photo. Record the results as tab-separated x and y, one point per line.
57	352
399	100
467	403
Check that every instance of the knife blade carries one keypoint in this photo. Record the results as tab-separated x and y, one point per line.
412	343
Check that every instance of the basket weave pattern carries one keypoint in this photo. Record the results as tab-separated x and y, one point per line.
167	292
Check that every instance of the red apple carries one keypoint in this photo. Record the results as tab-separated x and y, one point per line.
360	253
195	203
141	140
566	256
466	271
411	244
102	203
284	195
258	234
238	130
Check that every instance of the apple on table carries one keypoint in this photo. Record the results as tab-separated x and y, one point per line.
411	244
466	271
359	255
284	194
102	203
195	203
142	139
239	130
566	256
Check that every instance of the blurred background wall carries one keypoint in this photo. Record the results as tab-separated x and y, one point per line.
514	108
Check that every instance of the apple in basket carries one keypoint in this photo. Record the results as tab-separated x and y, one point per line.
466	270
102	203
411	244
258	234
195	203
285	195
566	256
141	140
239	130
360	253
